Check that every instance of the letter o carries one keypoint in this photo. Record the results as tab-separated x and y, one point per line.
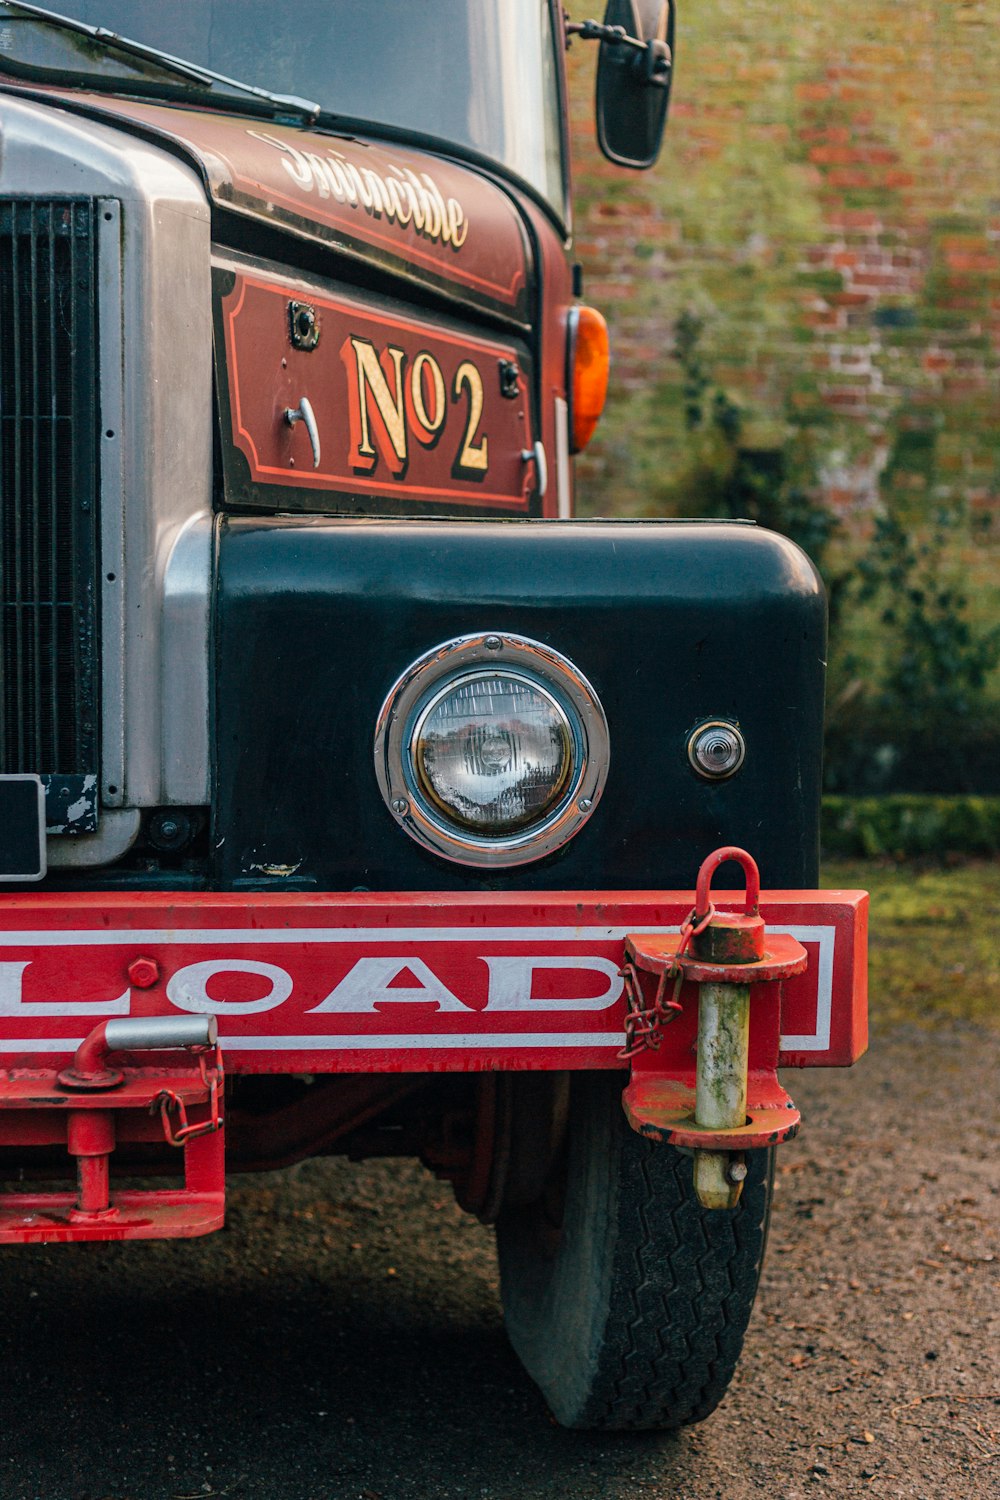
188	988
430	424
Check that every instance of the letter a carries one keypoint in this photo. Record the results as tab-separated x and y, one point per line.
367	987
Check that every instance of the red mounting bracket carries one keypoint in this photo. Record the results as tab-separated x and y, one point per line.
727	955
90	1107
662	1109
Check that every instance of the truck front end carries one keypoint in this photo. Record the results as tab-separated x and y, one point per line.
353	792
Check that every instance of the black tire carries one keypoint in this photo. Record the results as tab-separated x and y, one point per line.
625	1301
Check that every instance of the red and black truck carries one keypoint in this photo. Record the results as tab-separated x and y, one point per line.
353	794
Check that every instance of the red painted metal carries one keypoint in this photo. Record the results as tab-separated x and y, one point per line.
37	1108
703	886
164	1214
659	1099
734	937
725	948
169	1103
143	973
408	211
90	1070
663	1110
428	369
93	1201
365	983
781	959
90	1137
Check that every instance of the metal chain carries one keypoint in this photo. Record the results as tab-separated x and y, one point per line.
644	1024
167	1101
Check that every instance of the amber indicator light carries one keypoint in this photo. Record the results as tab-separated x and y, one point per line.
588	373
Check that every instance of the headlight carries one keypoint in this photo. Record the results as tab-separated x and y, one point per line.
491	750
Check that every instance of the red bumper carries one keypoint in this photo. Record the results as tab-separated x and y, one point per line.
357	984
390	983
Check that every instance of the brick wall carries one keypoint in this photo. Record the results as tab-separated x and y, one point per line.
828	201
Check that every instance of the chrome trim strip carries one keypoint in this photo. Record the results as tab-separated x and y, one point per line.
154	270
187	590
112	502
564	478
116	833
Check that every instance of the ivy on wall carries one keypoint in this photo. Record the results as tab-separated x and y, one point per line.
804	303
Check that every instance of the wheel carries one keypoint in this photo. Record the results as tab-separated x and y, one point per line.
625	1301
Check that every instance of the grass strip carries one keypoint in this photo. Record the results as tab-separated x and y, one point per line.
934	954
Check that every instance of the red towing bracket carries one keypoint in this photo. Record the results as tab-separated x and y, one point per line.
733	1102
90	1107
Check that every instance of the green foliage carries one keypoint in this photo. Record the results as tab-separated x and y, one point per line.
738	472
912	670
941	664
917	713
901	827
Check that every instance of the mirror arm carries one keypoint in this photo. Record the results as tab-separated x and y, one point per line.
594	31
655	60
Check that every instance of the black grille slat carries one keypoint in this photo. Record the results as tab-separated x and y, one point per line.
48	487
35	698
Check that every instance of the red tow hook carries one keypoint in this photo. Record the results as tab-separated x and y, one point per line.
734	1108
90	1133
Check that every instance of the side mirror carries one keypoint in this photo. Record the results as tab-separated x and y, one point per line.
633	82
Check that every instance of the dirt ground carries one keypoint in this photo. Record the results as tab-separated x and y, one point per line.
342	1338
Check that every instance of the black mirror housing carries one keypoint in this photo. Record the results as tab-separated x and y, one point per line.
633	84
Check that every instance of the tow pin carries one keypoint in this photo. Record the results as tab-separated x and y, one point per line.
719	948
724	1027
724	954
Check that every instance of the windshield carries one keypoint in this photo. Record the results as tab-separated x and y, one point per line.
477	73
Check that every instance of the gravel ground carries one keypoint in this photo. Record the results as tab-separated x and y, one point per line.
342	1338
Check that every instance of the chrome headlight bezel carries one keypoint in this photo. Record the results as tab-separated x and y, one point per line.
407	706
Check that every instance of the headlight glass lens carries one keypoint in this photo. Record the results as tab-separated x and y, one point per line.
493	752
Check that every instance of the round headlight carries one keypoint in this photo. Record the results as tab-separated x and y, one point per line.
491	750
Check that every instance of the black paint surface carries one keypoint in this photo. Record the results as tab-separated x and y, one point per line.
672	622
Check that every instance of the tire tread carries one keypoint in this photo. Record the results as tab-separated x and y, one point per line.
688	1286
644	1330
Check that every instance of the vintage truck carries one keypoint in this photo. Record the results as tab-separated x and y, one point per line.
352	792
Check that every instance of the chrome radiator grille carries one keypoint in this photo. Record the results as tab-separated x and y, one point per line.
49	621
